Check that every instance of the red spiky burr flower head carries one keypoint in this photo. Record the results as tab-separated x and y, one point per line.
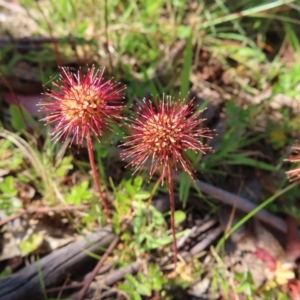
82	104
164	134
294	174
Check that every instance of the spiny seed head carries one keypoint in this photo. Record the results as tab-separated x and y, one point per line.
82	104
294	174
164	134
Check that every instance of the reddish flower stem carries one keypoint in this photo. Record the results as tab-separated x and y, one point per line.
96	175
172	206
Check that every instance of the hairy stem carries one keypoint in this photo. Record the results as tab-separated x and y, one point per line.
96	175
172	205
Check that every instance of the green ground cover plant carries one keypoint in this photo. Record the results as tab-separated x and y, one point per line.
173	69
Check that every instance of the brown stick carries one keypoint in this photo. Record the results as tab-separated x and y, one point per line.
100	263
213	234
242	204
41	210
117	275
51	270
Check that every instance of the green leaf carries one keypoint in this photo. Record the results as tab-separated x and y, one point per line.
238	159
17	120
23	178
144	289
136	296
6	272
132	280
124	198
157	283
184	187
129	188
179	216
64	167
79	193
154	243
142	195
102	151
183	31
244	287
8	187
89	218
31	244
138	181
